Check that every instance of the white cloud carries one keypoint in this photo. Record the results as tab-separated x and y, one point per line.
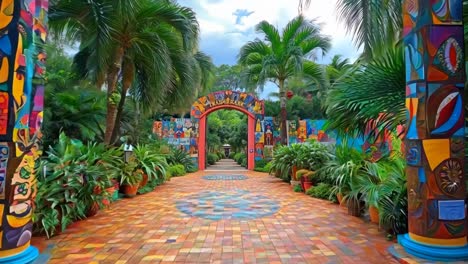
222	38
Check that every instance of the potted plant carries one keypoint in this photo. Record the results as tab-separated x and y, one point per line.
307	180
130	178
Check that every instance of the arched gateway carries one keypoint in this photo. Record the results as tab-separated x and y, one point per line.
243	102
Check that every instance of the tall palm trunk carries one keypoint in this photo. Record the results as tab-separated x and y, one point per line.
112	79
283	114
128	75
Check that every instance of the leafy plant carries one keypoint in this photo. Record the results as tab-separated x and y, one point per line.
322	191
151	163
297	188
177	170
211	158
178	156
130	174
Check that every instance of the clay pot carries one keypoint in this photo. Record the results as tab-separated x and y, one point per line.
130	190
354	207
93	210
374	214
144	180
307	185
294	170
339	197
110	191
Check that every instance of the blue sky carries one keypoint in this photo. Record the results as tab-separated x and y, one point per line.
226	25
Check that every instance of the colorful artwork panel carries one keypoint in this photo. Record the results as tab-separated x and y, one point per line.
413	152
449	176
414	55
445	111
157	128
4	152
446	12
269	131
445	48
258	151
4	102
410	14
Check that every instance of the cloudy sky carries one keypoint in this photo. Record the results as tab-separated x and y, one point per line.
226	25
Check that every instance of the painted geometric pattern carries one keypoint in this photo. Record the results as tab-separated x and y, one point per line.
231	177
231	204
435	75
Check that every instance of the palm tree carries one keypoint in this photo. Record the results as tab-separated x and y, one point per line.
284	55
337	69
124	39
374	24
371	96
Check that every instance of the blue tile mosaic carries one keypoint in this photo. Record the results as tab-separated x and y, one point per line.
237	204
230	177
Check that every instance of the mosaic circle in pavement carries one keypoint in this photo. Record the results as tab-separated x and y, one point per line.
233	204
230	177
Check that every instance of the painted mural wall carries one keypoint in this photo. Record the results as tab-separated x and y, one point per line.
435	75
22	67
183	134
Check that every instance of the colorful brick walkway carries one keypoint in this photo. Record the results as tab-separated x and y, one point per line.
219	219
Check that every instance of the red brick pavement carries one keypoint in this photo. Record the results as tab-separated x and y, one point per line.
157	227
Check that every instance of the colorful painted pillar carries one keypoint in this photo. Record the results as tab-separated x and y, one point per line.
435	74
22	58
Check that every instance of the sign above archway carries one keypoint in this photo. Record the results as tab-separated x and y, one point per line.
243	102
227	99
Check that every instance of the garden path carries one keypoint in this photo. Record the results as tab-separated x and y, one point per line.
210	218
225	165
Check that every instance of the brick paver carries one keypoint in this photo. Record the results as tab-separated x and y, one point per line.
193	219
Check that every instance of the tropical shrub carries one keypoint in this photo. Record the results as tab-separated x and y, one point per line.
73	183
310	156
178	156
260	163
322	191
232	155
244	162
151	163
211	158
177	170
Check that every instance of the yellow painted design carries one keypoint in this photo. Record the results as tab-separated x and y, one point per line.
6	12
18	83
1	239
436	150
4	67
455	242
2	207
14	251
16	222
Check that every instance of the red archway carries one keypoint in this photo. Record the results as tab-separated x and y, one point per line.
243	102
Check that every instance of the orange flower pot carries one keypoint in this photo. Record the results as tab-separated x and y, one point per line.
144	180
374	214
130	190
307	185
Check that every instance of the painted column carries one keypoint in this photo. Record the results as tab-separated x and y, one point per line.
202	144
251	143
22	37
435	74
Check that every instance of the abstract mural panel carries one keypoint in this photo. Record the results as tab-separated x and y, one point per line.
435	74
23	34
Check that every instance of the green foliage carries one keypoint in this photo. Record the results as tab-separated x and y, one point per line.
243	162
232	155
211	158
177	170
370	95
310	156
322	191
151	163
297	188
260	163
130	174
178	156
75	177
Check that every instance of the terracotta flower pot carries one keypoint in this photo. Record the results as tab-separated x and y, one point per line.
339	197
144	180
130	190
374	214
307	185
93	210
110	191
354	207
294	170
